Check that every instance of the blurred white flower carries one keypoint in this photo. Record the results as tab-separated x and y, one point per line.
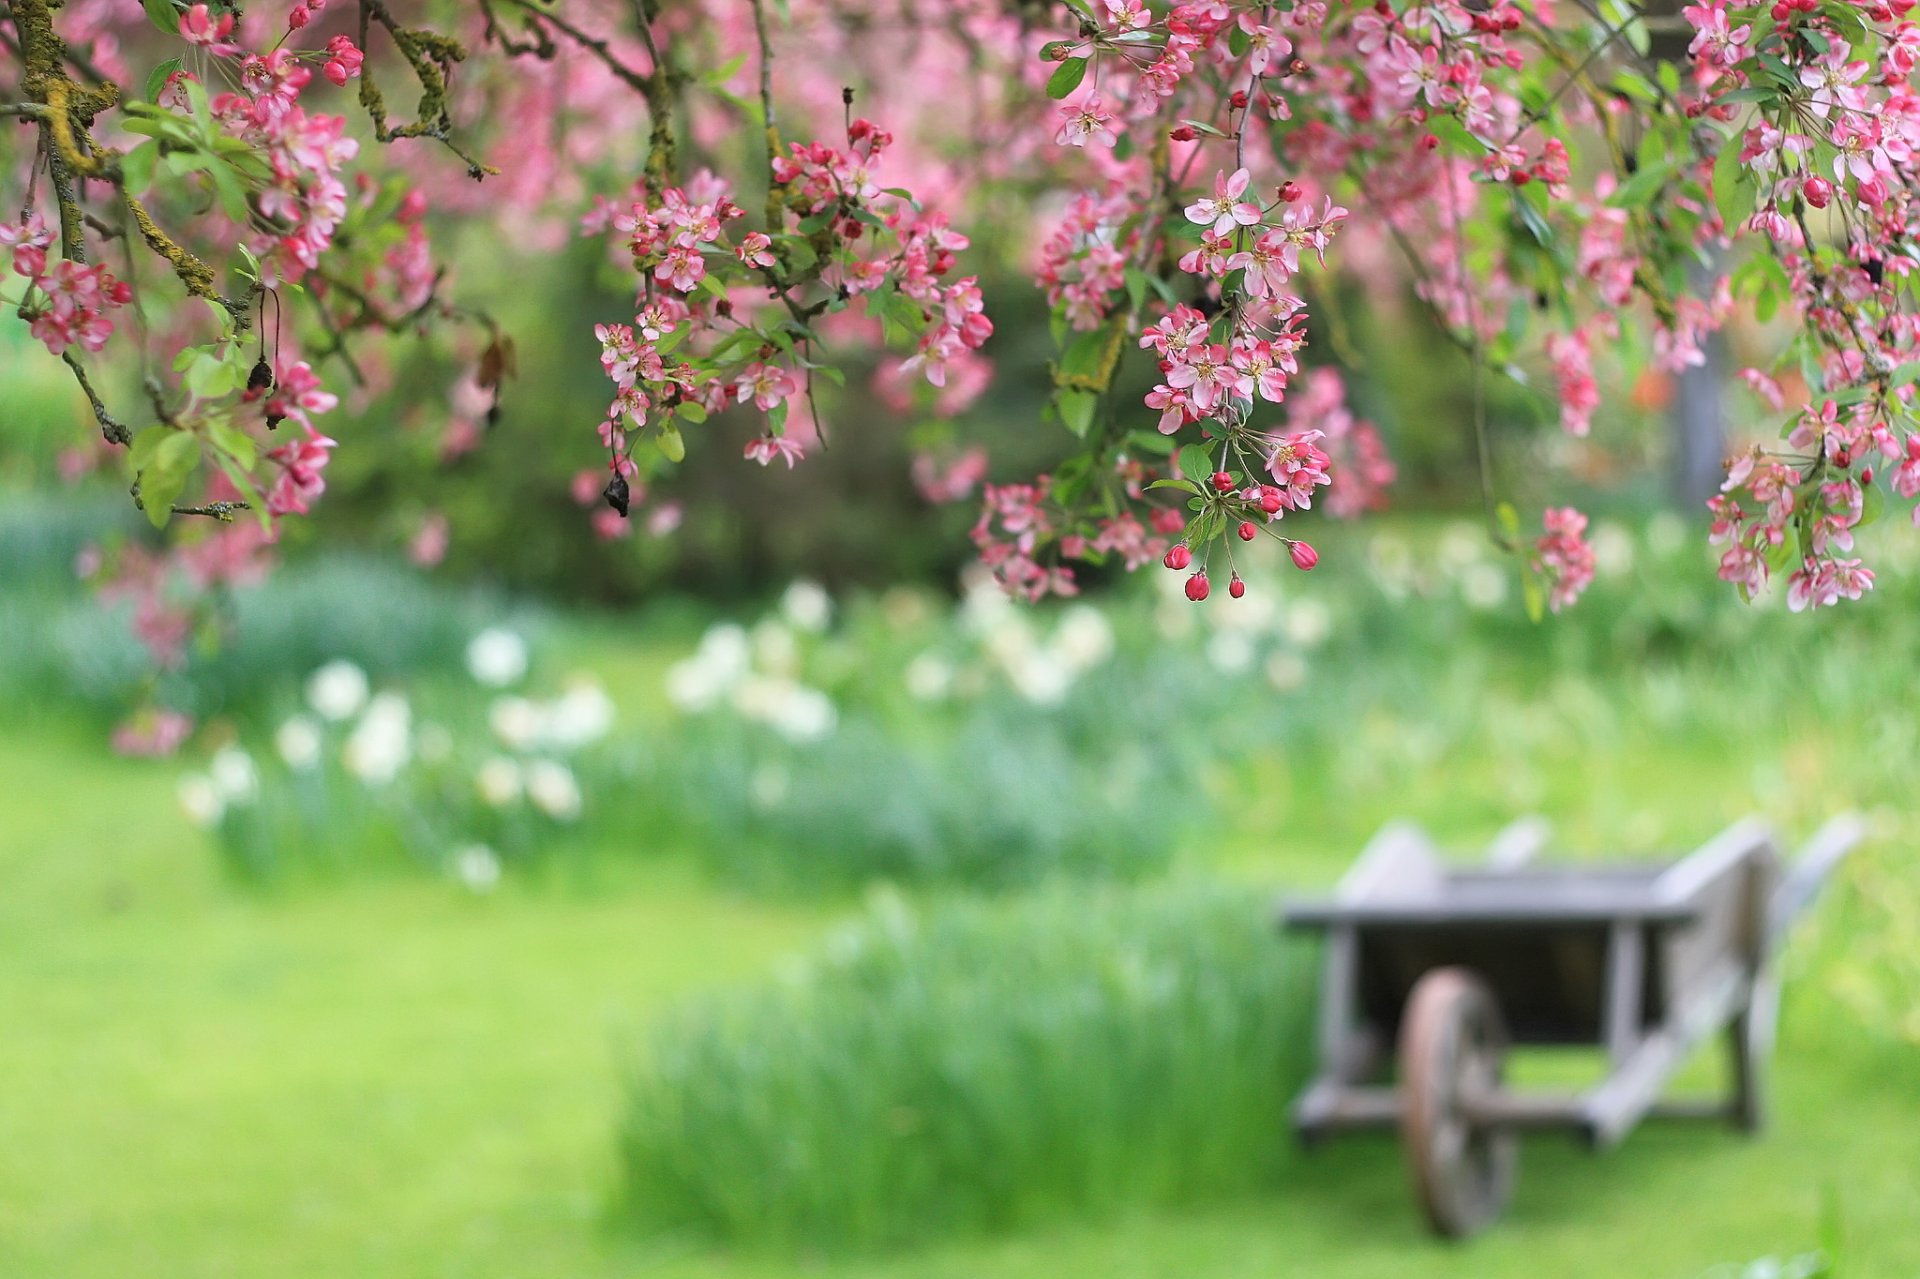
1462	544
201	801
774	648
516	721
1484	585
1286	671
1612	549
298	741
381	743
434	743
723	658
582	714
929	677
337	690
807	605
1307	623
984	603
1041	675
553	790
1084	637
1231	652
767	788
498	780
232	773
804	715
477	867
497	657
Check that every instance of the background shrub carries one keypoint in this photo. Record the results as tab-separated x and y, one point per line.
978	1067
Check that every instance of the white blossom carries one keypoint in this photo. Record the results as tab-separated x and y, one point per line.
807	606
553	790
337	690
498	780
201	801
381	743
516	721
497	657
929	677
478	867
232	773
298	741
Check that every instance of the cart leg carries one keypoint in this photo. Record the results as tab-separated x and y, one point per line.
1453	1047
1750	1050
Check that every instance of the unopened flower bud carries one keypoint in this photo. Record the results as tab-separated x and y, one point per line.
1197	586
1178	557
1304	556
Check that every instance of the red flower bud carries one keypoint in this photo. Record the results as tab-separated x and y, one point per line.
1223	481
1239	99
1866	475
1178	557
1818	191
1197	586
1236	587
1247	531
1429	142
1183	133
1304	556
1843	457
1290	191
1270	501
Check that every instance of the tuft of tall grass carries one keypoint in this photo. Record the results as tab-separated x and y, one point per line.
981	1066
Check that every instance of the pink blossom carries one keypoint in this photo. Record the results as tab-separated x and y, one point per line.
765	448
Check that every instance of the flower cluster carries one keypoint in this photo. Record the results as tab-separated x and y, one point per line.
451	791
65	303
708	336
1562	556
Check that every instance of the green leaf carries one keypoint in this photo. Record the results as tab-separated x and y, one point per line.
1067	77
1077	409
671	445
136	167
1194	463
1185	486
230	441
157	78
165	474
1636	191
163	15
233	196
1730	187
1535	596
1151	442
692	411
1509	520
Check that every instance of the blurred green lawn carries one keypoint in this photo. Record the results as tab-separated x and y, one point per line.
392	1078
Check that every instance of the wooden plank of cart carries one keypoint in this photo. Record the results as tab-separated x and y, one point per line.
1452	965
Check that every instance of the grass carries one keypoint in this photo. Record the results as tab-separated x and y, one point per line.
390	1079
979	1067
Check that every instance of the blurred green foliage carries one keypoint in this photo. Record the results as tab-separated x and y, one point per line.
975	1068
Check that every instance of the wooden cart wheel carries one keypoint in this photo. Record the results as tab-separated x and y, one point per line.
1453	1045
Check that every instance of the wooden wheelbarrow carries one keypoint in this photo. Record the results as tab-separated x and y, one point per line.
1454	965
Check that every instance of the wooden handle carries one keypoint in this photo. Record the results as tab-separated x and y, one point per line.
1825	851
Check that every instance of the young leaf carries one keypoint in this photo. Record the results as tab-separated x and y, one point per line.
1067	77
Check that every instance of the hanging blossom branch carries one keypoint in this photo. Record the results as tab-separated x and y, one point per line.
1549	184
